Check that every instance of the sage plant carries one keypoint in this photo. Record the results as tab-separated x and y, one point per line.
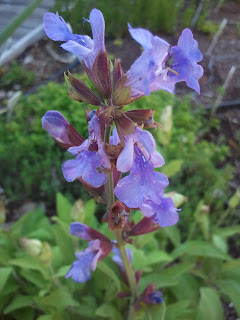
118	142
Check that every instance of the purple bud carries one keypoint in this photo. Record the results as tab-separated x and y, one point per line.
151	296
61	130
55	124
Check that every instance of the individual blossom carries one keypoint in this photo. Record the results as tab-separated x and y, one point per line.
91	161
84	47
145	142
164	214
142	184
150	72
185	57
98	248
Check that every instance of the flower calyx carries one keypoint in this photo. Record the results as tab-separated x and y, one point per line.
100	74
80	92
117	217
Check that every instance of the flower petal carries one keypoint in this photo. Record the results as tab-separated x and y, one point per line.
56	28
87	165
125	159
86	260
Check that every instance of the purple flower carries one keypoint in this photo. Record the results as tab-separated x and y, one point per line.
142	184
155	297
88	165
118	260
146	143
185	57
164	214
84	47
86	261
150	72
151	296
146	69
98	248
61	130
55	124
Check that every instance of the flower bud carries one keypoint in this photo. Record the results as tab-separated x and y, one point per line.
32	246
100	74
46	255
80	92
61	130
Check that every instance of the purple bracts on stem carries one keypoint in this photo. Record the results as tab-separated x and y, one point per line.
84	232
84	47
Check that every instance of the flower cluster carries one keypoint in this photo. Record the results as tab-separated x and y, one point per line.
118	142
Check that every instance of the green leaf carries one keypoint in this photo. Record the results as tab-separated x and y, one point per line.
89	213
24	313
158	280
108	311
231	289
220	243
45	317
62	271
64	240
59	299
26	223
209	306
173	234
157	257
187	288
165	120
106	270
172	167
42	234
167	277
231	270
18	302
141	260
63	208
235	199
4	275
35	278
199	248
31	263
228	231
179	311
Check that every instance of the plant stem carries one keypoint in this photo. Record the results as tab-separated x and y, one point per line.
109	188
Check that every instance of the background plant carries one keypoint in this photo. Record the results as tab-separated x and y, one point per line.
194	275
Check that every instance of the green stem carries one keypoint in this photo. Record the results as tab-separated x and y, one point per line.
109	188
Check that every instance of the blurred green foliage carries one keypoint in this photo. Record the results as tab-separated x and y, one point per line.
28	154
157	16
15	74
194	275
